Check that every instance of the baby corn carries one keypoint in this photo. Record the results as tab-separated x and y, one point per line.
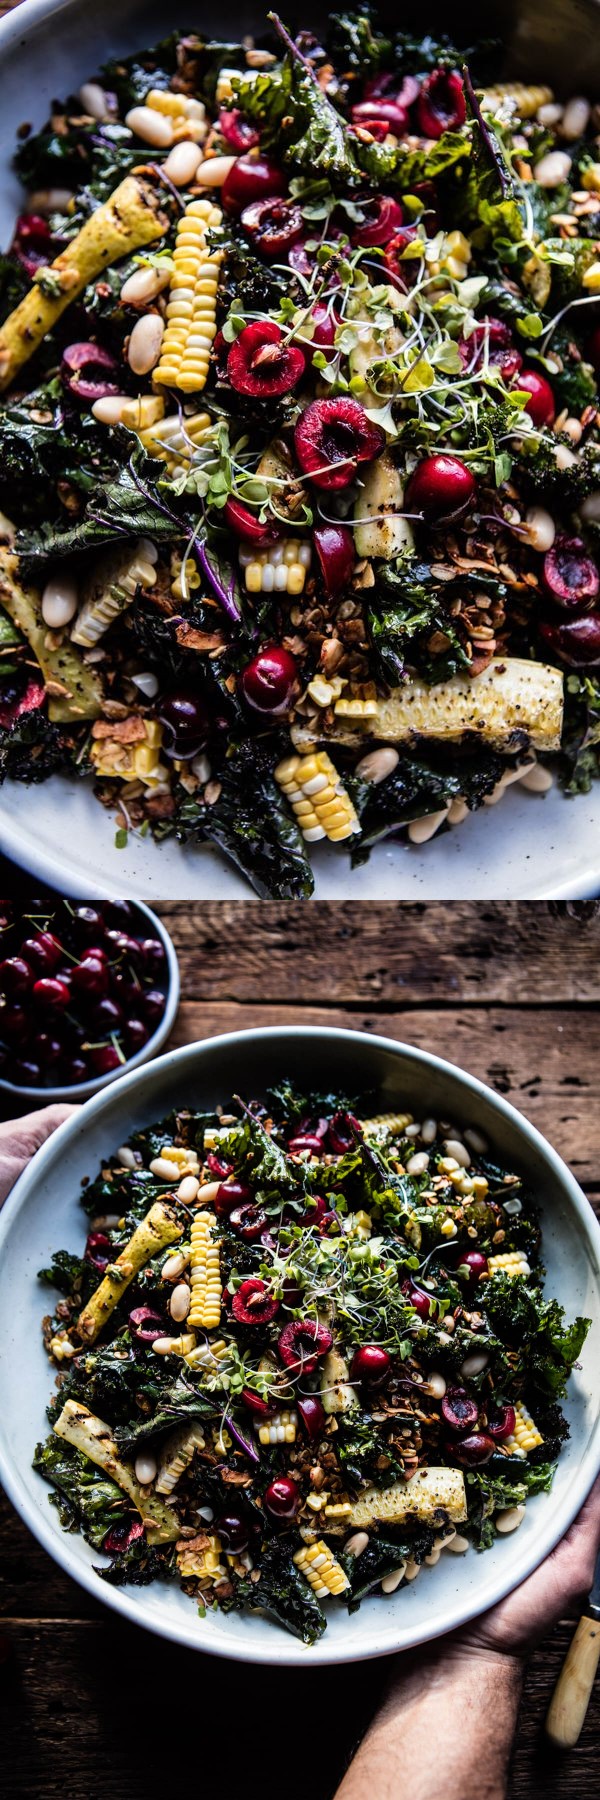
192	304
281	570
319	1566
205	1274
318	797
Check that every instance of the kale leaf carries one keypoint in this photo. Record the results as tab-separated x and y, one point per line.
581	735
252	824
424	784
177	1405
547	1347
131	77
408	623
67	1272
32	748
283	1594
14	283
380	1558
360	1448
488	1493
87	1500
127	505
140	1563
355	42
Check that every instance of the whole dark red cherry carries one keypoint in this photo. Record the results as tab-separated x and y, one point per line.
87	924
50	994
74	1070
152	956
252	177
136	1035
43	952
421	1302
541	404
47	1047
16	976
268	681
233	1532
185	718
282	1498
90	979
104	1058
107	1017
230	1197
26	1073
576	642
370	1366
440	487
475	1262
153	1005
119	913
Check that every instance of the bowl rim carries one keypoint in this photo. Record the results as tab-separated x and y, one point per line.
292	1654
85	1090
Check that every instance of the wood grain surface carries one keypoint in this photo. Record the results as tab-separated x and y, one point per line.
511	992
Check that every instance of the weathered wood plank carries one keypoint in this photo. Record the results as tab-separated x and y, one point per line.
385	954
550	1069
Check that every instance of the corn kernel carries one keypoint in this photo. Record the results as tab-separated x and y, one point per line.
320	1567
281	1429
512	1262
331	814
205	1274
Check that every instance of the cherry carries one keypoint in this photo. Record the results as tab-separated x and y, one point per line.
312	1414
43	952
107	1016
300	261
184	716
301	1344
420	1302
441	105
262	1409
152	956
323	324
340	1135
282	1498
89	372
121	1536
233	1532
27	1074
95	951
235	1194
252	1304
458	1410
400	271
104	1058
577	642
74	1070
128	991
306	1140
218	1166
46	1047
540	403
474	1262
370	1366
440	487
247	526
90	978
272	226
32	243
491	341
248	1221
268	682
571	576
87	924
136	1035
334	545
382	217
472	1450
234	128
251	178
15	976
262	363
98	1250
501	1423
119	913
331	438
145	1325
153	1005
50	994
315	1211
384	108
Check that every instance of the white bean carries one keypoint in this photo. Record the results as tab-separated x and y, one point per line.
391	1582
165	1170
412	1131
475	1364
510	1519
145	1469
421	830
418	1164
155	128
458	811
188	1189
126	1157
573	429
429	1131
146	682
590	508
433	1556
564	458
214	171
537	780
540	528
476	1141
553	169
145	284
446	1541
550	113
109	411
576	118
143	350
458	1544
182	163
356	1544
436	1386
180	1302
93	101
412	1569
207	1192
453	1147
173	1267
377	765
60	600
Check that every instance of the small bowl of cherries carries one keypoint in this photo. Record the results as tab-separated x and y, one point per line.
86	991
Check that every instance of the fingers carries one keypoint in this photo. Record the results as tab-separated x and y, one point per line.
20	1138
560	1583
40	1125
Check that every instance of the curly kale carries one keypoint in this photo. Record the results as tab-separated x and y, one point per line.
361	1449
177	1405
131	77
380	1558
547	1347
408	623
14	283
581	735
355	43
252	824
283	1594
126	505
423	784
32	748
67	1272
140	1563
489	1492
44	441
86	1500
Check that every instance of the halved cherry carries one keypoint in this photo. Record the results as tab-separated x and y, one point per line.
335	549
272	226
384	87
341	1133
501	1423
540	403
20	694
145	1325
261	1409
576	642
251	178
89	372
332	437
491	341
312	1414
248	527
458	1410
32	242
98	1250
306	1140
441	105
571	577
235	129
263	363
249	1221
121	1536
253	1304
302	1343
382	217
401	271
440	487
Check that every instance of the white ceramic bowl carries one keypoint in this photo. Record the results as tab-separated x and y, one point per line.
82	1090
42	1214
527	848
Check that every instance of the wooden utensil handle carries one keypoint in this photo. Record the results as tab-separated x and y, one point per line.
570	1700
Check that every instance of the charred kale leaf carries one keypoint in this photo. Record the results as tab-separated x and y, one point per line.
522	1317
127	505
140	1563
33	748
252	824
487	1493
379	1559
86	1500
408	622
283	1594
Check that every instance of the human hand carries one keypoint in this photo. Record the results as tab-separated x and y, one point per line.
20	1138
516	1625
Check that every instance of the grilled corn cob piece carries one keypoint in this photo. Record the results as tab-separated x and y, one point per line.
510	697
74	691
204	1563
337	1394
525	1436
109	590
175	1346
192	304
393	1124
319	1566
159	1228
130	218
175	439
318	797
135	414
130	756
527	98
176	1455
205	1274
428	1491
80	1427
281	1429
281	570
206	1356
380	502
512	1262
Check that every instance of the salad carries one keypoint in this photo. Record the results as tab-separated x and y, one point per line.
299	447
303	1354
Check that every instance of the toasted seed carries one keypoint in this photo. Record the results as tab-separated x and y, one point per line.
391	1582
553	169
155	128
214	171
356	1544
377	765
510	1519
475	1364
188	1189
182	163
144	344
180	1302
145	1469
60	600
575	119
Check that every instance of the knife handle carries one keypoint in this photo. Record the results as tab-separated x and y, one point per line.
570	1700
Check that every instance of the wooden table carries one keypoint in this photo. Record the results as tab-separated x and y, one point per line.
510	992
